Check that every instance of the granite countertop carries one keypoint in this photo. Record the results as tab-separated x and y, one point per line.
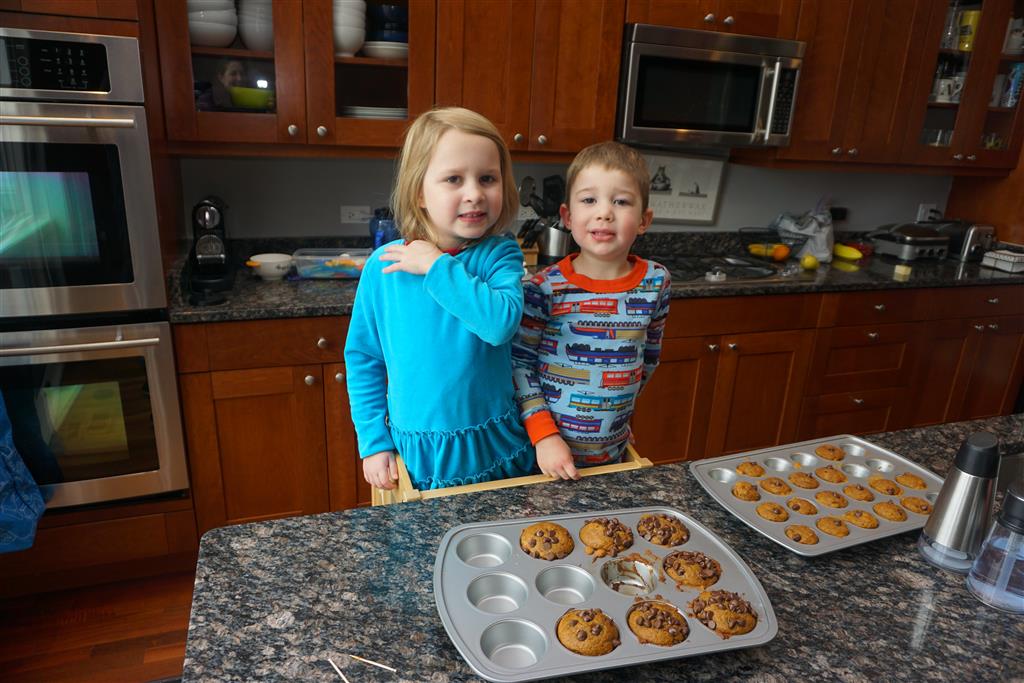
273	600
253	299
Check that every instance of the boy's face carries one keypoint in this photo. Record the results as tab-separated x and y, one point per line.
604	213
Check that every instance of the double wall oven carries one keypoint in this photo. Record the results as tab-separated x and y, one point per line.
86	366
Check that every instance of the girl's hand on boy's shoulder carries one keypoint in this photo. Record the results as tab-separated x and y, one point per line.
416	257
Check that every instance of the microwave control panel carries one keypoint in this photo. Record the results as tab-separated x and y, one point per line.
784	102
35	64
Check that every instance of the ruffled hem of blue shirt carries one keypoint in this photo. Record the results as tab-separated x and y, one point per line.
495	449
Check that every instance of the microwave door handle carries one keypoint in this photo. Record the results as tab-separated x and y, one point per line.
69	121
88	346
776	72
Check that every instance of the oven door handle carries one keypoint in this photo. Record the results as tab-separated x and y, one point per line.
776	73
88	346
69	121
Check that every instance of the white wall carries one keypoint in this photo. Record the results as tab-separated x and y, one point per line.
302	197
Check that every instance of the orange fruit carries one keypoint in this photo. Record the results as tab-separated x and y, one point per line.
780	252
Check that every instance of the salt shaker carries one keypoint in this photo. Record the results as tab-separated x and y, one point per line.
997	575
952	536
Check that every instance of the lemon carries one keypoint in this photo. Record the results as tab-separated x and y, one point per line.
809	262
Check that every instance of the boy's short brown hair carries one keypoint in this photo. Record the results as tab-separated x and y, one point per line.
617	157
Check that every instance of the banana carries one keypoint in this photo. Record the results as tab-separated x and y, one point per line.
845	266
848	253
760	249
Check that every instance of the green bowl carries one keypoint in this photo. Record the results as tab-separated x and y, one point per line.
250	98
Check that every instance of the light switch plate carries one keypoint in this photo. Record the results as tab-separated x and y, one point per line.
355	214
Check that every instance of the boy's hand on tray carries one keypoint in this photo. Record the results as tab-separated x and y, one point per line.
555	459
381	470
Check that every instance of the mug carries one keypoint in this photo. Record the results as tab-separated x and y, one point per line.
948	89
968	29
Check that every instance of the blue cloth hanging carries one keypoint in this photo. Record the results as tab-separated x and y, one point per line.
21	503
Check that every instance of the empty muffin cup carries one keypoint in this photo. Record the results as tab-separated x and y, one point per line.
497	593
484	550
565	584
514	643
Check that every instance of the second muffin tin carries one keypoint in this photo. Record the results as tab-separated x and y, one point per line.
861	461
500	606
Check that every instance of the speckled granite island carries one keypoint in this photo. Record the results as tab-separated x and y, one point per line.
274	600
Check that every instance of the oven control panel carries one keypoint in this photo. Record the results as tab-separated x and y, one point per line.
39	64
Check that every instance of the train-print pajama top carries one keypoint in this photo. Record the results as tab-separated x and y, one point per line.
428	360
584	350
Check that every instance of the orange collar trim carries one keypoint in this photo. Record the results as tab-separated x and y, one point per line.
621	284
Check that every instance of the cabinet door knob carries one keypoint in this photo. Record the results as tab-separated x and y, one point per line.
958	157
339	377
994	327
728	21
310	380
733	346
709	19
972	157
979	328
321	343
993	300
518	137
853	151
712	347
293	130
321	131
879	307
858	401
872	335
837	151
542	139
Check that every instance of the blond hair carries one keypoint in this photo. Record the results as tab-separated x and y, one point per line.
420	142
613	156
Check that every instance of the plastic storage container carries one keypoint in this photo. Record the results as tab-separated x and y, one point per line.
323	264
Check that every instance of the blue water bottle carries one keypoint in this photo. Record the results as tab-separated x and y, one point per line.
382	227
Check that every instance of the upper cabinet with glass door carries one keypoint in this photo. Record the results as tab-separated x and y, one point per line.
295	71
965	115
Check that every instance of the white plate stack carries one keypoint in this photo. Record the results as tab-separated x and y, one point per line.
375	112
384	49
349	26
256	24
212	23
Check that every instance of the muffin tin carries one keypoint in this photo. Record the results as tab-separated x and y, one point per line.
501	607
862	459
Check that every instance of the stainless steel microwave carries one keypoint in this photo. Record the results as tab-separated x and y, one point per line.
681	87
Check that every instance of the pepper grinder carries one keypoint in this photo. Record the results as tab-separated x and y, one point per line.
952	536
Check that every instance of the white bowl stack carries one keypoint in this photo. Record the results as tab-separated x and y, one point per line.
212	23
349	26
256	24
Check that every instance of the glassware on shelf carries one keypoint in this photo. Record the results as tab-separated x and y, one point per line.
968	29
951	30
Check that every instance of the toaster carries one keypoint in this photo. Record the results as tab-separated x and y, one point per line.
967	241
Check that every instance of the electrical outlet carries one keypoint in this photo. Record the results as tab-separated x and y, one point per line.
924	211
526	213
355	214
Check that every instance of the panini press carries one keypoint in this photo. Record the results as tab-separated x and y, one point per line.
910	241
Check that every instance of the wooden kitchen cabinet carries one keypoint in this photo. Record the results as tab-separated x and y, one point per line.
98	9
772	18
546	72
267	422
314	90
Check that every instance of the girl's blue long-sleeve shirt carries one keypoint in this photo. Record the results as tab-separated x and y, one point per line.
429	365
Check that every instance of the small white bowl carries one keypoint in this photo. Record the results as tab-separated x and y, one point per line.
270	266
214	16
257	36
196	5
348	40
211	34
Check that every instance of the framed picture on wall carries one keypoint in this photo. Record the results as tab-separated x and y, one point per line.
684	189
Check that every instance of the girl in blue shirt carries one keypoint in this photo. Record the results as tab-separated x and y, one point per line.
429	343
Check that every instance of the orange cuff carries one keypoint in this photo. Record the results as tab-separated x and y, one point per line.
540	425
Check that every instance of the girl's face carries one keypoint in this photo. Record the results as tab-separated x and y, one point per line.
462	188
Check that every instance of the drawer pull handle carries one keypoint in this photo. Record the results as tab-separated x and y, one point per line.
872	335
542	139
321	343
310	380
733	346
858	401
728	21
321	131
993	326
879	307
837	151
979	328
709	19
339	377
994	300
293	130
712	347
518	137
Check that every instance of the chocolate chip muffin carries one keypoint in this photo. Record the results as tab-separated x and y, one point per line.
831	499
662	529
802	505
744	490
858	492
658	623
691	568
588	632
724	612
829	452
911	481
603	537
546	541
830	474
750	469
801	534
865	520
773	512
776	486
803	480
883	485
890	511
918	505
833	526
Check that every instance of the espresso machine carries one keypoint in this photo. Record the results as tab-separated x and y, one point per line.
209	270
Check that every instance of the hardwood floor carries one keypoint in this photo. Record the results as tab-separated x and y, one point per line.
132	631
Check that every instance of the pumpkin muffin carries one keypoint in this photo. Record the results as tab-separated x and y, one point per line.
802	505
890	511
724	612
744	490
833	526
831	474
829	452
546	541
859	492
918	505
773	512
776	486
865	520
658	623
692	568
603	537
911	481
803	480
662	529
831	499
750	469
801	534
588	632
883	485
